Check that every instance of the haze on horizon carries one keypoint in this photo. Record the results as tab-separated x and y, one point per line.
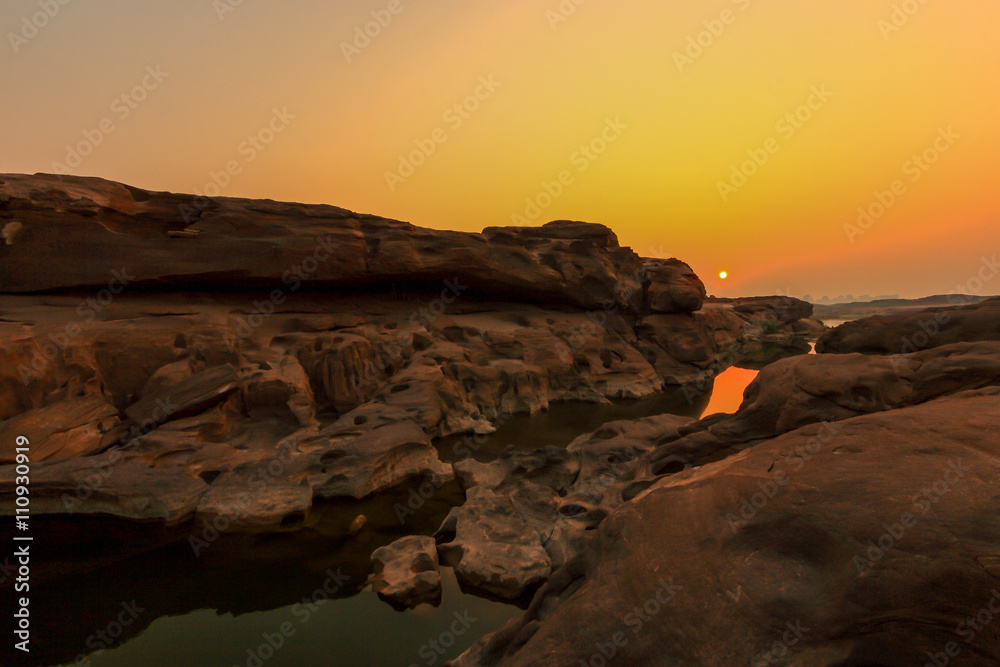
834	105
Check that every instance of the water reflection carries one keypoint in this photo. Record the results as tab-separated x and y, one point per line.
727	392
360	631
213	605
563	422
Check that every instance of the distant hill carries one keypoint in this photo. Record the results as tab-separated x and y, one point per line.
859	309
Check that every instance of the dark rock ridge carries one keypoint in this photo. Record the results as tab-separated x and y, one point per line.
263	355
912	331
769	308
858	309
844	516
172	242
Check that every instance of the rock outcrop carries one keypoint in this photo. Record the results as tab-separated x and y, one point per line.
842	517
406	572
168	241
876	550
912	331
229	361
674	286
529	513
758	309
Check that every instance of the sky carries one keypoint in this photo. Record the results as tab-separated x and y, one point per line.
803	147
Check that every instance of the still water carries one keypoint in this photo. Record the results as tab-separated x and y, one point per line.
296	599
360	630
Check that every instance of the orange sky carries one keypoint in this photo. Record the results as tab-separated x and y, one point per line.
676	119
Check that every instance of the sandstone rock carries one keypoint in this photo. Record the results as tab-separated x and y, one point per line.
345	368
490	543
112	483
357	524
758	309
908	332
558	495
809	389
71	428
328	350
673	286
601	471
457	372
250	499
188	397
281	393
243	243
681	336
406	573
809	326
680	576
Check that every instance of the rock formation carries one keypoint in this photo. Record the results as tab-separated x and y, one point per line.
406	572
843	516
182	362
229	361
912	331
872	547
529	513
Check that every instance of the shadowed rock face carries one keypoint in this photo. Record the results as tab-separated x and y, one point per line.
769	308
674	287
848	520
170	241
230	360
909	332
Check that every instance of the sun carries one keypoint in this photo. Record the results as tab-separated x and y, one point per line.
723	275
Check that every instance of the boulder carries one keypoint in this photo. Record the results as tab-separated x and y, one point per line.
405	573
493	544
673	286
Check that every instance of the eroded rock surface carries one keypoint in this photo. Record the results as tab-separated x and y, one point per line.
406	572
561	495
180	242
528	513
852	524
240	359
909	332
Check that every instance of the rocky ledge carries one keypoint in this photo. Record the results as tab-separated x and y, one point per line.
229	361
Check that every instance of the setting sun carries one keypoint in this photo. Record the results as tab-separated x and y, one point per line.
723	275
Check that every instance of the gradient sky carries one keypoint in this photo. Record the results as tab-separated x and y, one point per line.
560	83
